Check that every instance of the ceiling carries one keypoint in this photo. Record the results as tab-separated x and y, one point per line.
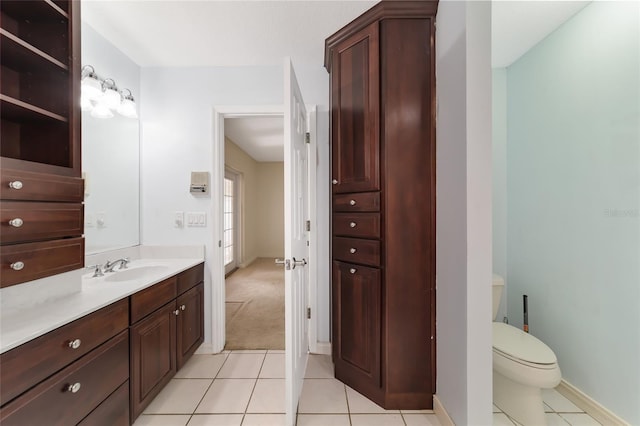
189	33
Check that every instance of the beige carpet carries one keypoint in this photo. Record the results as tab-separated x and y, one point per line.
255	306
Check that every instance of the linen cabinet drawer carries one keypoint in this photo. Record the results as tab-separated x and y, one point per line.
30	261
148	300
358	202
357	250
26	221
68	396
22	185
363	225
32	362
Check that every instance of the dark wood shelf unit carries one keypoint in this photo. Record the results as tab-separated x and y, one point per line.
40	10
17	110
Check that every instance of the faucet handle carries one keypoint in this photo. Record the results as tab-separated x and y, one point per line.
97	270
125	262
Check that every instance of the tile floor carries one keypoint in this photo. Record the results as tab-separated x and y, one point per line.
247	388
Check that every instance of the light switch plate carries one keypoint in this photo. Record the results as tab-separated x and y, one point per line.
178	219
197	219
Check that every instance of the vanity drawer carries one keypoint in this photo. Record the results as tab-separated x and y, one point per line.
94	377
114	411
357	202
32	362
148	300
190	278
40	187
25	221
356	250
363	225
39	260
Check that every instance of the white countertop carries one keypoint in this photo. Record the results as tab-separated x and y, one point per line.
29	317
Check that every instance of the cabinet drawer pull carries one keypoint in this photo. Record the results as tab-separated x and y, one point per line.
75	343
73	388
352	224
17	266
352	250
176	312
16	223
352	202
183	307
335	181
16	184
353	270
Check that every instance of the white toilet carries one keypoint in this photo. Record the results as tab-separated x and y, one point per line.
522	367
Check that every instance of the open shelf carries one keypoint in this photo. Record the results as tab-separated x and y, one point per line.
42	10
16	50
16	110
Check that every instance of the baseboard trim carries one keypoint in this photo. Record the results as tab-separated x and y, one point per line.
247	263
323	348
589	405
205	348
441	413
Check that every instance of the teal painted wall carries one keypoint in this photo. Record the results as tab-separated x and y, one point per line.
573	200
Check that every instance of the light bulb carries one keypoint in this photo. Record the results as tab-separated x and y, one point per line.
101	111
91	87
127	108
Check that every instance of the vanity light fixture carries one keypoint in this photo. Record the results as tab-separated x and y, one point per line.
101	96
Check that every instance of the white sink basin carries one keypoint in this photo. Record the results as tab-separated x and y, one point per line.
135	273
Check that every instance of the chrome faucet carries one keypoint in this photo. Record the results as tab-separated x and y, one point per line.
108	267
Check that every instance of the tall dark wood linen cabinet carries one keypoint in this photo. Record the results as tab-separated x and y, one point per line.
382	68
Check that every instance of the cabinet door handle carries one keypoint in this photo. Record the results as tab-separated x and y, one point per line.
16	184
335	181
17	266
176	312
16	222
73	388
75	343
352	250
352	202
353	270
183	307
352	224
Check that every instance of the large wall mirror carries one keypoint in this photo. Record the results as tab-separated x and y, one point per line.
110	154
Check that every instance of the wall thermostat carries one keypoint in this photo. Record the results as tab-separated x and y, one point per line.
199	182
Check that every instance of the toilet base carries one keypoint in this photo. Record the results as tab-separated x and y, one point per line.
520	402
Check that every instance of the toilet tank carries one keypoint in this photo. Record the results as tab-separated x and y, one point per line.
496	289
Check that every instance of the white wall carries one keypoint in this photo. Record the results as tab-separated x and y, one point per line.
177	137
463	232
270	211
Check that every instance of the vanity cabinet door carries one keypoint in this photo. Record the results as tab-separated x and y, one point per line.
153	356
190	326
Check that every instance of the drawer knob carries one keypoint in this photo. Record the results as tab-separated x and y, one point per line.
352	224
16	184
73	388
352	250
17	266
183	307
16	223
335	181
176	312
352	202
75	343
353	270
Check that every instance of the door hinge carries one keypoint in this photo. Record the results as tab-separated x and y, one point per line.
307	137
308	225
308	313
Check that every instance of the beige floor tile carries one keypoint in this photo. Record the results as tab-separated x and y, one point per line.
227	396
319	367
241	366
249	351
376	420
421	419
554	419
323	396
323	420
425	411
216	420
201	367
559	403
180	396
579	419
275	351
548	409
273	367
501	419
161	420
359	404
496	409
263	420
267	397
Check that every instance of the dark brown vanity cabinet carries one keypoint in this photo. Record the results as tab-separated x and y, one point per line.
382	68
40	140
166	329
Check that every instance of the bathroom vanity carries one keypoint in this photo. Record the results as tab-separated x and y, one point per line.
100	353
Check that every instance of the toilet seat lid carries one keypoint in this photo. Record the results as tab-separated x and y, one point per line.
517	344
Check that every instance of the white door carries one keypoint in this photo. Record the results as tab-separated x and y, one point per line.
296	251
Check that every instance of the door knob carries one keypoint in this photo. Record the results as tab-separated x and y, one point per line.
335	181
16	222
16	184
285	262
352	202
352	250
298	262
352	224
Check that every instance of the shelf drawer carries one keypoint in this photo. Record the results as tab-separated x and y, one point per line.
357	250
190	278
32	362
95	376
39	260
358	202
40	187
363	225
39	221
148	300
